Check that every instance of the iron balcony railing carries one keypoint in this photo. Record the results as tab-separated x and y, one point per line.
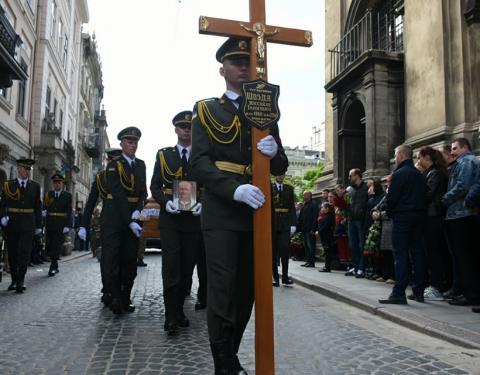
374	31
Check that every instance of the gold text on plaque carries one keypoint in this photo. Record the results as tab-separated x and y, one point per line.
203	23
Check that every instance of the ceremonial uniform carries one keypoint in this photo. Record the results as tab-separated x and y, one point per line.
180	232
127	192
58	206
99	191
21	212
284	218
221	162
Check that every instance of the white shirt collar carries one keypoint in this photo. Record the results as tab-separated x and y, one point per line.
128	159
279	185
232	96
20	181
180	148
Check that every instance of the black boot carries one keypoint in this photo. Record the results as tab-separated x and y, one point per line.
239	370
223	357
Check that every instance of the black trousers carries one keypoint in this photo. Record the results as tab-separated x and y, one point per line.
437	253
19	247
120	260
230	290
53	243
201	273
280	251
462	234
179	251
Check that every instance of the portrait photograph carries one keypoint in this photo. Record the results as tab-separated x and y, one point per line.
185	194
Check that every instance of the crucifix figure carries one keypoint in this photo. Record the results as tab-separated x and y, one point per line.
211	123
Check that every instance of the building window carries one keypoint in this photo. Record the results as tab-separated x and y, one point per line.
53	16
48	98
55	105
60	118
3	93
65	51
21	93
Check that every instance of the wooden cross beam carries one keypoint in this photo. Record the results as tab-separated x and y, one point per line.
260	34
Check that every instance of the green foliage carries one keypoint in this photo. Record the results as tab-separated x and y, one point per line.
307	182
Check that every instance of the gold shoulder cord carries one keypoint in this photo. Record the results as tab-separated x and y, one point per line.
48	200
14	196
165	170
127	183
102	190
204	114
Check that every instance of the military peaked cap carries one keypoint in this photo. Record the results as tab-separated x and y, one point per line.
184	117
58	176
130	132
26	163
113	152
233	48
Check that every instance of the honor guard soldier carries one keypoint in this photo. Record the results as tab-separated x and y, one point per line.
98	190
58	206
284	219
180	230
221	162
126	194
21	217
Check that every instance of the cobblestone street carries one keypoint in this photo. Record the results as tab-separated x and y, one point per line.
59	326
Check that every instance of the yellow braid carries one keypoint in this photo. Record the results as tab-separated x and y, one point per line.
127	183
165	170
14	196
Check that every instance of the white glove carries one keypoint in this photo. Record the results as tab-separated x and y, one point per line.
136	229
249	194
197	209
293	229
135	215
172	208
82	234
66	230
268	146
5	221
44	213
38	231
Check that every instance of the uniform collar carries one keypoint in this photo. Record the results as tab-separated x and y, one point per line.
128	159
20	181
180	148
233	96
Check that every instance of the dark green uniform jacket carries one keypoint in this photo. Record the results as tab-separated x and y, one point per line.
168	168
23	209
98	190
218	134
59	210
127	192
283	208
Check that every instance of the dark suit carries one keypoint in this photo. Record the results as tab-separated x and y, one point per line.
307	223
127	192
59	216
182	241
284	217
227	225
24	208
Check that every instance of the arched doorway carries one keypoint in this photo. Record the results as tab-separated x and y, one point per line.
351	140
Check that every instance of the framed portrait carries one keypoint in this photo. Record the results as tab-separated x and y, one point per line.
184	194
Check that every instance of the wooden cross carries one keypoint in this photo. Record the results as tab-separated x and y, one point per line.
259	33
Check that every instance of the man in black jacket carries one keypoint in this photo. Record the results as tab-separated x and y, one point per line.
406	204
307	223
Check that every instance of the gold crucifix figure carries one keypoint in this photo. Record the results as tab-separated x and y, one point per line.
260	30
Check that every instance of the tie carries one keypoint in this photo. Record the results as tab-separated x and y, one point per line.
132	165
239	100
56	195
184	161
280	188
22	185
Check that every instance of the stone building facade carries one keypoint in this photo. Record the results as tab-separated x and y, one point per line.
398	71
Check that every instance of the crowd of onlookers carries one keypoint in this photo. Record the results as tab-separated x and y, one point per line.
414	227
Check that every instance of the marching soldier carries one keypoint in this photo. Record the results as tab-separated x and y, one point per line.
21	217
284	218
126	194
180	230
58	207
98	190
221	161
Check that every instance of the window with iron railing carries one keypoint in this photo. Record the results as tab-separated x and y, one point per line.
379	29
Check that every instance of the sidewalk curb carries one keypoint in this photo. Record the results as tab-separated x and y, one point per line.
428	326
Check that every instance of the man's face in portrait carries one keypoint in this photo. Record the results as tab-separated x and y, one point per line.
184	191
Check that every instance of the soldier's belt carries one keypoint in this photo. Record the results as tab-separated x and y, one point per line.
167	191
62	214
21	210
130	199
228	166
282	210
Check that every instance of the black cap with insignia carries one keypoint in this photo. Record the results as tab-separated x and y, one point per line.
113	152
26	163
130	132
182	118
58	176
233	48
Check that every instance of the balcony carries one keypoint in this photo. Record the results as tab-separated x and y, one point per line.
91	145
9	42
379	31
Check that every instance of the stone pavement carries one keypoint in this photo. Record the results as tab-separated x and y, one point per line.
455	324
59	327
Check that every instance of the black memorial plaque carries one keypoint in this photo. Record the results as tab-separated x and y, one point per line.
260	105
